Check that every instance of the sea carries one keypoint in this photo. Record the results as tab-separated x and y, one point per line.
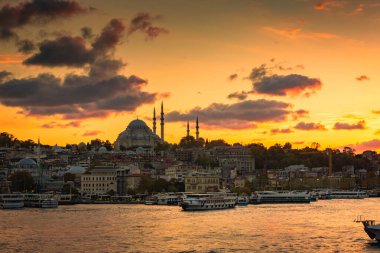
322	226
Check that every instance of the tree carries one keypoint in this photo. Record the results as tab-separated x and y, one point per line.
21	181
107	144
68	177
217	143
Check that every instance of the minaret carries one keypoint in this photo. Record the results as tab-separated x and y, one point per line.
162	122
188	129
197	130
154	120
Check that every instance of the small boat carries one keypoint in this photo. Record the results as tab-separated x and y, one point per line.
272	197
11	201
348	195
372	229
151	200
40	201
170	199
208	201
242	201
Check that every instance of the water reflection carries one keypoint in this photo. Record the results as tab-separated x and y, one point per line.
323	226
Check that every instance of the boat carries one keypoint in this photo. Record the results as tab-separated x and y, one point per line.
40	201
242	201
372	229
150	200
65	199
321	193
170	199
208	201
11	201
272	197
348	195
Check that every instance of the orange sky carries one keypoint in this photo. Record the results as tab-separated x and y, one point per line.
321	57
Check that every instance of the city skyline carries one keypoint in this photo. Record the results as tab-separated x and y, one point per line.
252	71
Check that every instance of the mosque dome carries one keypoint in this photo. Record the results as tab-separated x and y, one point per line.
102	150
27	162
76	170
137	134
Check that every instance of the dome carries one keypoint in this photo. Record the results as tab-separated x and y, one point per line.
102	150
137	134
76	170
137	123
27	161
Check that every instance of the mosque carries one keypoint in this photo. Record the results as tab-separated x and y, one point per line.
138	134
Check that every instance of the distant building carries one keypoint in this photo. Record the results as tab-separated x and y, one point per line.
201	183
235	157
100	180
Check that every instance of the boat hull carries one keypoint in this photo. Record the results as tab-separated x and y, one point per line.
373	233
12	205
191	207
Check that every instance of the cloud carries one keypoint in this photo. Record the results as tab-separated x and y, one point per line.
229	116
298	33
362	78
64	51
367	145
310	126
25	46
279	85
75	95
300	114
239	95
376	111
281	131
92	133
54	124
233	77
143	22
73	52
4	75
328	5
298	142
86	32
360	125
35	12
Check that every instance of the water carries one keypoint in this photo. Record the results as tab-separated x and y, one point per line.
323	226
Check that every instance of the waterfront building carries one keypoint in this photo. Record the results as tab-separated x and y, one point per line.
125	180
235	157
100	180
201	182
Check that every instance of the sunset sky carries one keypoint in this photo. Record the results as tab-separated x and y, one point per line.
268	71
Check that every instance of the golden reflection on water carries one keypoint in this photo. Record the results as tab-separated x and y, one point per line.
323	226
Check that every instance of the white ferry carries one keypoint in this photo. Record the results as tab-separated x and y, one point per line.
348	195
40	200
11	201
242	201
208	201
272	197
372	229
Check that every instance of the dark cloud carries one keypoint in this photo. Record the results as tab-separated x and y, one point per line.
4	75
64	51
362	78
37	11
281	131
92	133
233	77
310	126
239	95
143	22
360	125
73	52
242	113
86	32
258	73
75	96
294	84
7	34
54	124
25	46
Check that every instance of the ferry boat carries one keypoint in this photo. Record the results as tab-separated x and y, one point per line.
150	200
65	199
348	195
170	199
11	201
40	200
372	229
322	193
272	197
208	201
242	201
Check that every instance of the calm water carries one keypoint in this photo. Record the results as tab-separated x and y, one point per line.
323	226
